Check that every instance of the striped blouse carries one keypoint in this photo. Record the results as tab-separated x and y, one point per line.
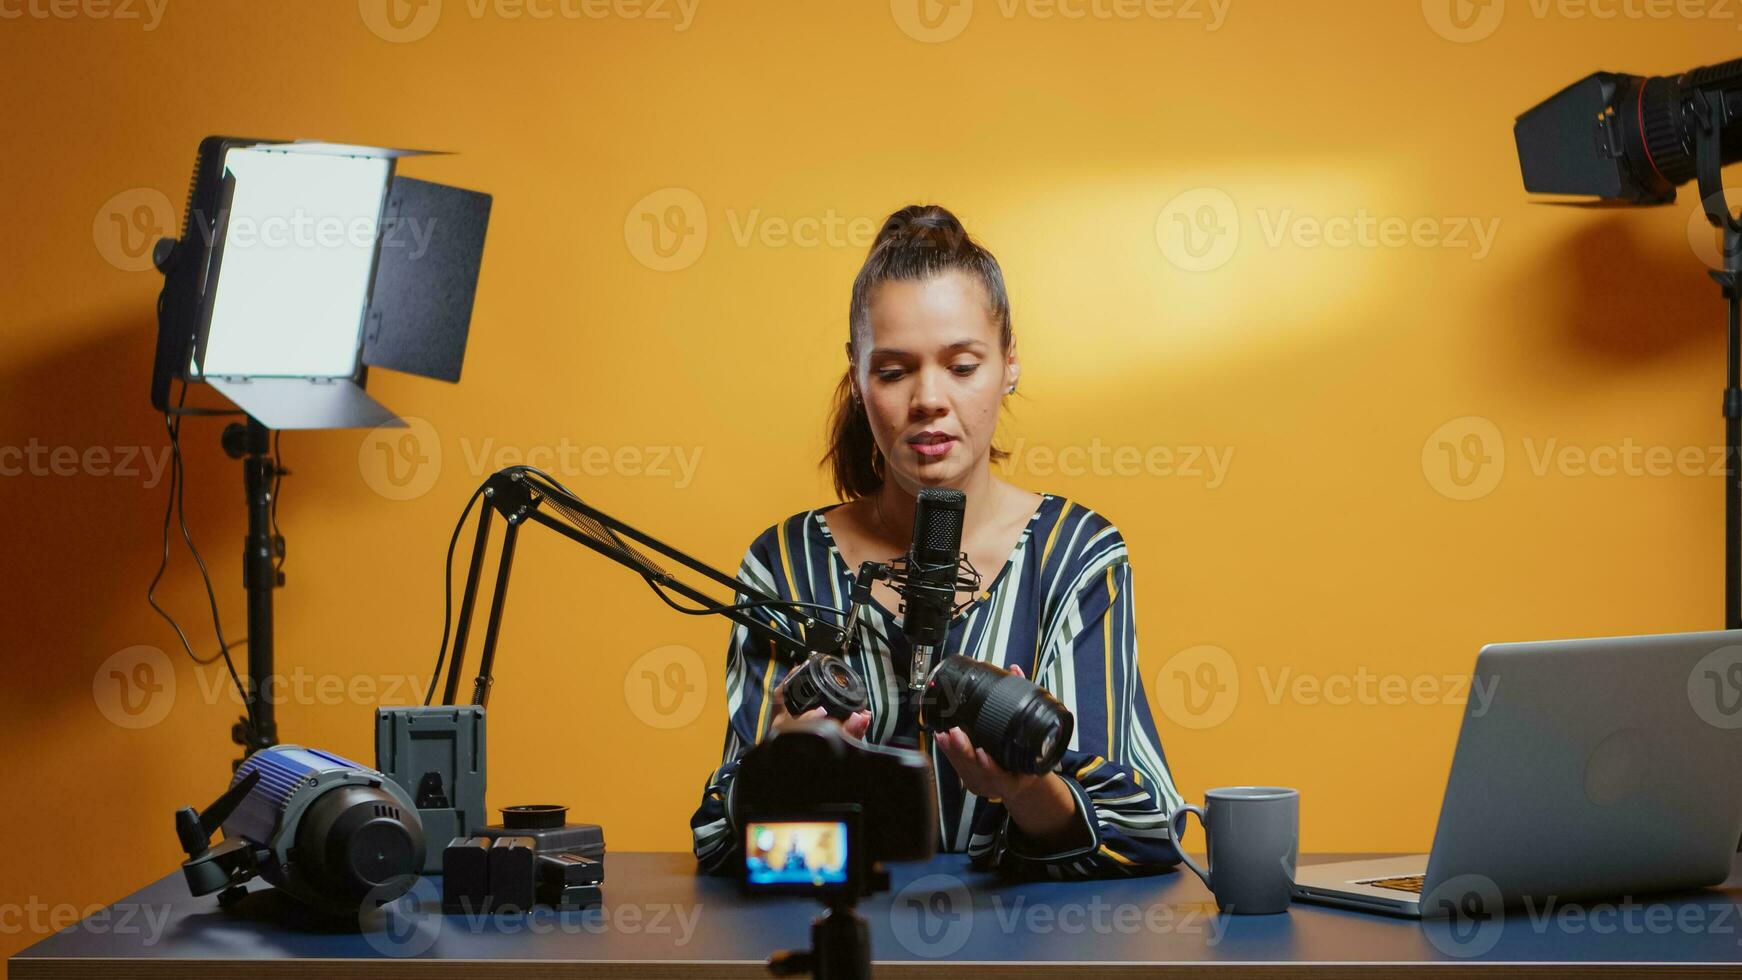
1062	609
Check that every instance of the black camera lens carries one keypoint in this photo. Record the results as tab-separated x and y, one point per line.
1021	726
826	681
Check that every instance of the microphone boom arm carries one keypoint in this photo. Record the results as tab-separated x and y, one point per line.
518	493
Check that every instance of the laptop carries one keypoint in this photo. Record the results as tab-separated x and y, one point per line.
1592	768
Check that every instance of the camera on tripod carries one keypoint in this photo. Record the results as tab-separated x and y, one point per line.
821	812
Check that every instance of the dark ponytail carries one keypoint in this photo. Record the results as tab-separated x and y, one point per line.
917	242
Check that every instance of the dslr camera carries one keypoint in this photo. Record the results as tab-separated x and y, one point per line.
820	812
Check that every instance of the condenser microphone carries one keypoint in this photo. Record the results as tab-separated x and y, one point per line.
929	590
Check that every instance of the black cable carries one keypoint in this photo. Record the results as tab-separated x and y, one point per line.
737	607
652	572
175	505
448	596
278	472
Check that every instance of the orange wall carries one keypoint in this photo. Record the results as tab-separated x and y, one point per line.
1332	549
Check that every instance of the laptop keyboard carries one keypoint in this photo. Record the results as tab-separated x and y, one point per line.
1402	883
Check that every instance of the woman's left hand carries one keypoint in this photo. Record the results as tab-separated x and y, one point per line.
1040	804
978	772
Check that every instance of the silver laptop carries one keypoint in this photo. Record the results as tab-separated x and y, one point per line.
1584	769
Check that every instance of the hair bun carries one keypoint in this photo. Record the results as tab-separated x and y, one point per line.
929	224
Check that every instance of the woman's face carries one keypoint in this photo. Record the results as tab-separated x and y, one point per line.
933	378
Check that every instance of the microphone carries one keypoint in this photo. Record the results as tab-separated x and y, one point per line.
928	582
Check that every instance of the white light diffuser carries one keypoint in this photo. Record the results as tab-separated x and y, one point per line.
298	254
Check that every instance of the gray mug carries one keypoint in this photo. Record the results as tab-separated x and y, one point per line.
1252	840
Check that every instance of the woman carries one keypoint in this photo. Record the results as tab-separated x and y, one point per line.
930	360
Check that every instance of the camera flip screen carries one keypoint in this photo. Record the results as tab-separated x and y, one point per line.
784	854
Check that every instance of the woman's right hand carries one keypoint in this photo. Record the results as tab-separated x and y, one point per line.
856	724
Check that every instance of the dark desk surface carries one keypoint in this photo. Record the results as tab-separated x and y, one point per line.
660	919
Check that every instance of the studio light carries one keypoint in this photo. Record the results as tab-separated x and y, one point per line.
300	266
1631	140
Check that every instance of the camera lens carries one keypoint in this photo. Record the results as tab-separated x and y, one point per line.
1021	726
826	681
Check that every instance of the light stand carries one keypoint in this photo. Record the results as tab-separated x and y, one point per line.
1708	143
251	442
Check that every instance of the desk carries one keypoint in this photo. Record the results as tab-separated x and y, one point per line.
939	920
